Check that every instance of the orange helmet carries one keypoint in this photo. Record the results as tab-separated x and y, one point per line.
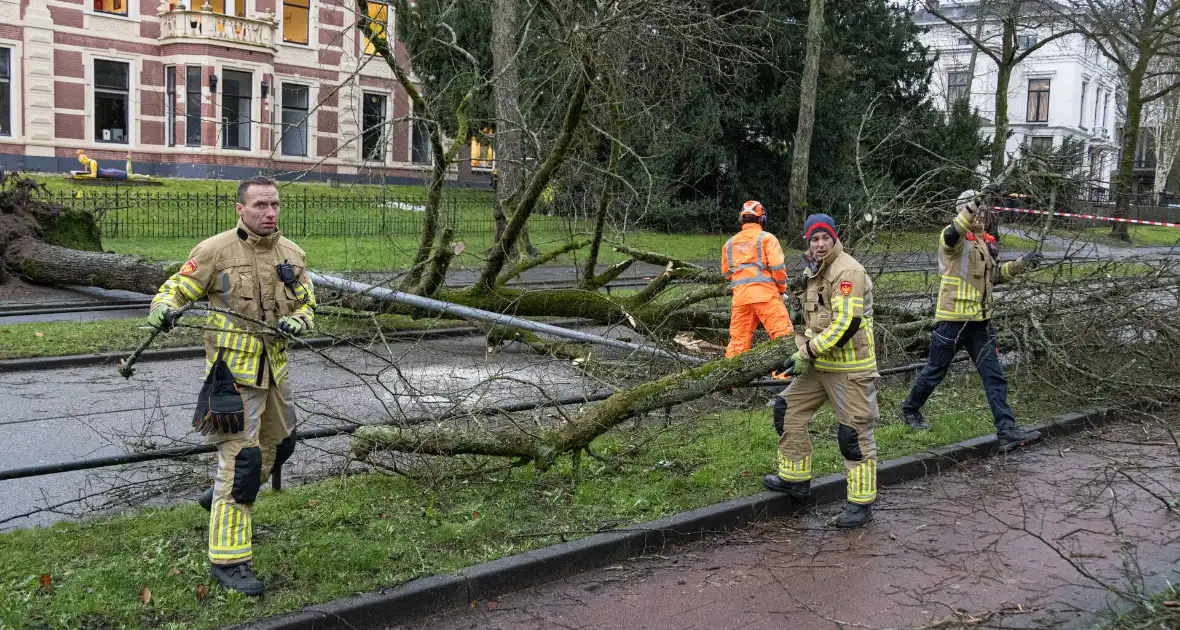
753	209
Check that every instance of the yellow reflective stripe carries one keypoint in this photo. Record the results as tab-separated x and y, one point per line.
794	470
189	288
825	341
862	482
960	222
851	366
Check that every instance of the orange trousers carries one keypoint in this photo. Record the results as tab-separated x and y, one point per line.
744	320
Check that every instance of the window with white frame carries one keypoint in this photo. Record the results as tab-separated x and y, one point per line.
1038	101
192	106
420	143
1097	97
296	21
379	13
112	87
1040	144
1024	42
227	7
958	86
236	99
294	119
170	105
5	91
113	7
1105	109
1082	109
373	127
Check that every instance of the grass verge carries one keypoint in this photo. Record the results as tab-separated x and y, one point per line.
354	534
1162	613
1141	236
54	339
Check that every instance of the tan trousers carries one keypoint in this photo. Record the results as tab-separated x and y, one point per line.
854	396
244	463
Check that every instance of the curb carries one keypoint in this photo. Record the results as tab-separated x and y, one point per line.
437	594
192	352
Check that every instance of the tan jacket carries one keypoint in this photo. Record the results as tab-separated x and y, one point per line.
838	315
236	270
969	273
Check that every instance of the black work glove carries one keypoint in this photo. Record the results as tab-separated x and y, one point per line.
1032	260
290	326
219	405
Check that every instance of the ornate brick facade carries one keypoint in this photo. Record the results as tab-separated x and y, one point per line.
57	108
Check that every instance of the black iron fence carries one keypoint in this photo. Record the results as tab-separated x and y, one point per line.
145	214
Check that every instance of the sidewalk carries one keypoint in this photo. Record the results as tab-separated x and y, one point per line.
992	542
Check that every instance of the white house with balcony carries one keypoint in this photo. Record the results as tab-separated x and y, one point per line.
1065	89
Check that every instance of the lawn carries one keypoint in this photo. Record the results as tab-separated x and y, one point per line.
57	184
51	339
926	241
1141	236
1161	612
353	534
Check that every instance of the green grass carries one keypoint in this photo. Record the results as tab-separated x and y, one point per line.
1153	615
1141	236
56	183
354	534
52	339
926	241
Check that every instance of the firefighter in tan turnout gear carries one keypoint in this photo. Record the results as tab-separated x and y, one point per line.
245	407
967	258
835	361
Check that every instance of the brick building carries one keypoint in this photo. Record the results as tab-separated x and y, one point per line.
206	88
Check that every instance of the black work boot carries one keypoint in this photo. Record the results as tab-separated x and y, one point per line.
237	577
206	499
798	489
1015	437
915	420
854	515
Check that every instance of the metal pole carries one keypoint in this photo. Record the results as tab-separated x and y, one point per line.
467	312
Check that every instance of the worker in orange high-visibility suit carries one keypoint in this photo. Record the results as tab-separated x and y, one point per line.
753	263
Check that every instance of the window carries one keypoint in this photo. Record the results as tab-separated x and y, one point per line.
111	89
963	41
114	7
5	92
1024	42
1038	100
373	128
1082	110
192	106
379	14
170	105
296	21
1097	97
958	86
1105	108
235	109
482	153
420	143
228	7
294	120
1040	144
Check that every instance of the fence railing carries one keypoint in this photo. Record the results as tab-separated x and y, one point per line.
139	214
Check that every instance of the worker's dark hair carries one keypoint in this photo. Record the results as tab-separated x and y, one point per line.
257	180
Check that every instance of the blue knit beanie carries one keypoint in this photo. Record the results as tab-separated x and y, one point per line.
819	223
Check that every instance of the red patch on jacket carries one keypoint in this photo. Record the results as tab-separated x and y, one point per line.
188	268
846	287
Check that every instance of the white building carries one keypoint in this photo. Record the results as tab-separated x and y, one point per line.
1065	89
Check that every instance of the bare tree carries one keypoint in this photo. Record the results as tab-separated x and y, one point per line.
508	139
801	150
994	28
1137	36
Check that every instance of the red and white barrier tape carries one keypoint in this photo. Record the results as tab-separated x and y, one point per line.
1094	217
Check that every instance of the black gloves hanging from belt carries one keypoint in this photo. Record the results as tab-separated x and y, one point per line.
219	405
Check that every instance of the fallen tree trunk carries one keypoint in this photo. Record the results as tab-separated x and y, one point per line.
543	446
